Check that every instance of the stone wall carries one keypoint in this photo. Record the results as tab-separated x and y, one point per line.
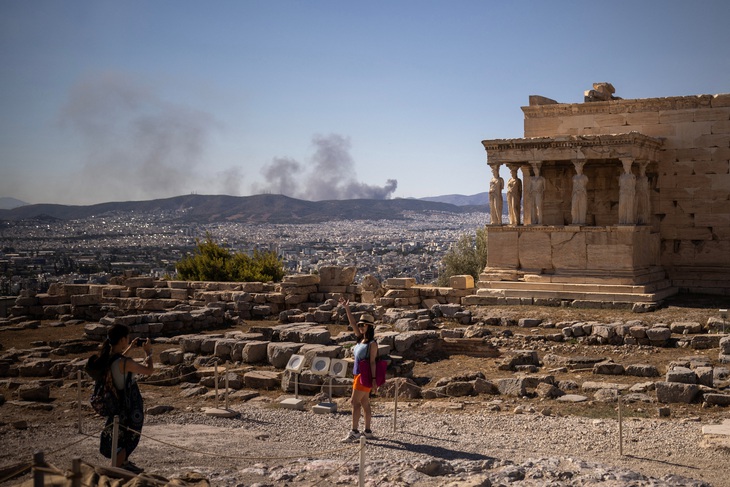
175	305
690	197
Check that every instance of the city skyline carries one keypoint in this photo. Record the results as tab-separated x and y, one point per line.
119	101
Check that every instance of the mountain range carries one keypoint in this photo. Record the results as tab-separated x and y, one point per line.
263	208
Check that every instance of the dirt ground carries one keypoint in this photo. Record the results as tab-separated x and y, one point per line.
685	308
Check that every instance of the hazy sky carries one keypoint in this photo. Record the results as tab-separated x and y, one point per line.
131	100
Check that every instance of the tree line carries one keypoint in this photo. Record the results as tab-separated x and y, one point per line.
209	261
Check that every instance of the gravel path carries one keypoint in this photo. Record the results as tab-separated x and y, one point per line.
266	445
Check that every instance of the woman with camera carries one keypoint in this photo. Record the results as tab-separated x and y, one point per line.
115	352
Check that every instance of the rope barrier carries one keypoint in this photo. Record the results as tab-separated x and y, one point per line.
20	471
146	477
233	457
86	437
164	381
49	469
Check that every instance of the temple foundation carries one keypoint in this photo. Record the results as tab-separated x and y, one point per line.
617	263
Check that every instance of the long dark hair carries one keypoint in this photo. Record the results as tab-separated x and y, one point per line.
369	333
114	335
98	365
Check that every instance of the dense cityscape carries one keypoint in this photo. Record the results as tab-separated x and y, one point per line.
35	253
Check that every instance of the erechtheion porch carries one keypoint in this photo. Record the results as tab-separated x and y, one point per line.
580	222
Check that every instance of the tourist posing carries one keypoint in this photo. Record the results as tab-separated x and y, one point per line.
365	349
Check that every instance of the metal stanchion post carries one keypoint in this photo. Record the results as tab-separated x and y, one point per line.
215	379
115	441
38	463
361	474
78	398
226	388
620	427
395	407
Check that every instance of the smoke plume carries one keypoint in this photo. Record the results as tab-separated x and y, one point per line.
331	175
139	146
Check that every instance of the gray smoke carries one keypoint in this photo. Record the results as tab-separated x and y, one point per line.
281	177
331	175
139	146
230	181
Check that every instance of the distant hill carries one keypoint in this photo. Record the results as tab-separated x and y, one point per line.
264	208
460	199
10	203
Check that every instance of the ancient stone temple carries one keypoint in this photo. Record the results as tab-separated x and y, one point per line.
613	200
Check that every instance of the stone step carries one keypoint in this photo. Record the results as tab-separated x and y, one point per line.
579	288
581	296
615	278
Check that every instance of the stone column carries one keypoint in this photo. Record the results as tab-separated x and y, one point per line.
627	194
527	198
514	195
579	205
496	186
538	190
643	204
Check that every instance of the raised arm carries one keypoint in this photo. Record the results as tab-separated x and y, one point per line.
353	322
135	367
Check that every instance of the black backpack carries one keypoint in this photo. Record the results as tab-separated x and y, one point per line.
106	400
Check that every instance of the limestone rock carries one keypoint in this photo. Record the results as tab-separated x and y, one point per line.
676	392
262	379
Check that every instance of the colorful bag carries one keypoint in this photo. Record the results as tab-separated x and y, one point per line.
105	400
381	366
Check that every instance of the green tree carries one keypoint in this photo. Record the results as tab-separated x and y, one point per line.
467	256
211	262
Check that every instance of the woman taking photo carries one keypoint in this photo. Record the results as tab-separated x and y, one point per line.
114	353
365	349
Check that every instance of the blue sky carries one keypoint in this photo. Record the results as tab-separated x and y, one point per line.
132	100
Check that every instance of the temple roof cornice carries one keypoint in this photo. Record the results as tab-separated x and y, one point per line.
572	147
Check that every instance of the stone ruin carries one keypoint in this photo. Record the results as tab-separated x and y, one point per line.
415	323
620	200
600	92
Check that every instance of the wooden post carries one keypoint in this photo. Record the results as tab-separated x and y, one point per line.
296	385
78	398
115	441
38	464
76	471
361	474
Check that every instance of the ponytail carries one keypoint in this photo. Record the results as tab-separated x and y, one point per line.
98	365
106	350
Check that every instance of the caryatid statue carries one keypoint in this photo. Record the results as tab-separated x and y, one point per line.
579	204
538	189
643	205
627	195
527	198
514	196
496	186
